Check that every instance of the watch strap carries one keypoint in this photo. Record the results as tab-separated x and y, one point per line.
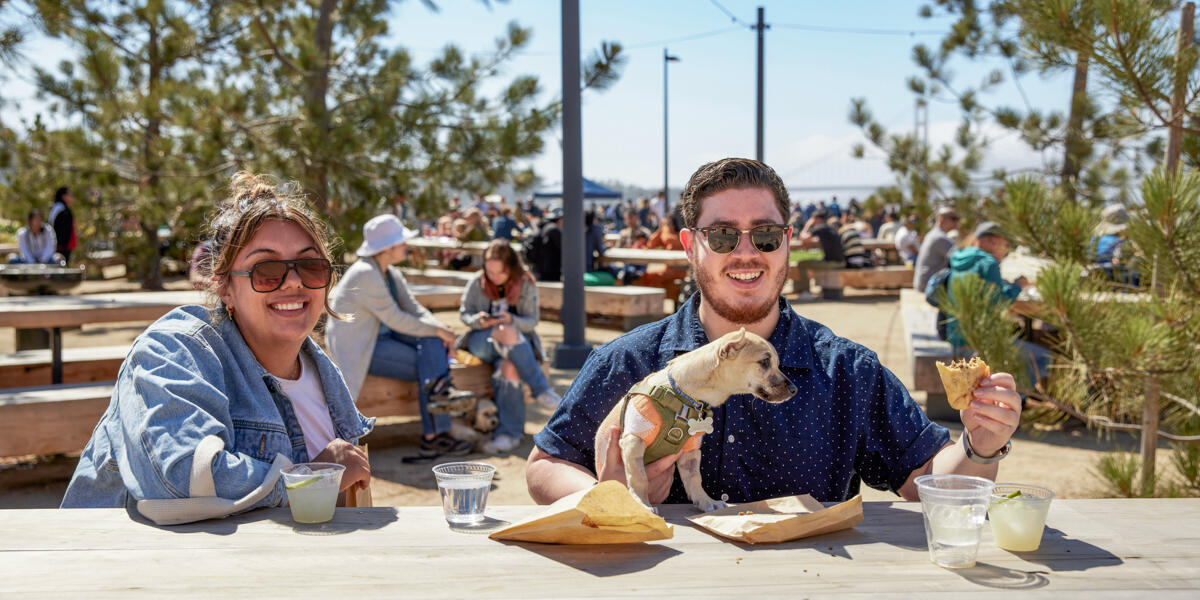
981	459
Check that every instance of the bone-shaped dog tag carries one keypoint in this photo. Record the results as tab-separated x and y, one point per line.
700	425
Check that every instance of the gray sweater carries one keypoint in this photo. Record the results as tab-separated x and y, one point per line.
525	314
363	293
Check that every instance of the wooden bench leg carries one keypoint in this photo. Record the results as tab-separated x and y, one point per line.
831	293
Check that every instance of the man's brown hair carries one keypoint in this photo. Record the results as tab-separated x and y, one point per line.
730	174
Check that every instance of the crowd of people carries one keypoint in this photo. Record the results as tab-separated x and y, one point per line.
241	382
42	243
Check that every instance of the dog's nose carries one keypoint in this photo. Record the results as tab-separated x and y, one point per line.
792	389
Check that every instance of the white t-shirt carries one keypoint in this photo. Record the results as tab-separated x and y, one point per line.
308	400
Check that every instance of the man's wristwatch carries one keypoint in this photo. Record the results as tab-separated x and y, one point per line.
982	459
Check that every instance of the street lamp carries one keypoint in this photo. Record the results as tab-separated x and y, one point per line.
667	58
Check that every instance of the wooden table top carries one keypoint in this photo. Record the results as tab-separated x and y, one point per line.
67	311
1091	548
642	256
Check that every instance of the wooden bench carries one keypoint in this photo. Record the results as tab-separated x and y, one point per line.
834	281
621	306
383	397
80	365
925	348
52	419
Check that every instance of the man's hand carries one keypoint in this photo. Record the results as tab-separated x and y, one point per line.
993	415
660	473
358	469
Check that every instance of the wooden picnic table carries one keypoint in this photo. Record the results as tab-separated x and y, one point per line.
869	243
1091	548
56	312
641	256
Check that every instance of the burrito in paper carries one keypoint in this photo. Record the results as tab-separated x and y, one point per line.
781	519
603	514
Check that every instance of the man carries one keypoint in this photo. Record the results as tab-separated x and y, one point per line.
63	222
831	244
659	207
891	224
632	230
851	420
548	261
935	250
504	226
36	242
908	241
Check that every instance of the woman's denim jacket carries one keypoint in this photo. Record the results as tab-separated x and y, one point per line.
188	376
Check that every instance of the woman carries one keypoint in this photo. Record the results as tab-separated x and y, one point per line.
393	336
244	376
500	305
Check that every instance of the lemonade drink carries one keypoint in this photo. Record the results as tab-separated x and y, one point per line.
1018	516
312	490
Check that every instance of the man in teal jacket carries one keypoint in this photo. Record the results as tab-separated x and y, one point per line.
982	258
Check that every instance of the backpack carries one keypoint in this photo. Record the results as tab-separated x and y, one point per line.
939	281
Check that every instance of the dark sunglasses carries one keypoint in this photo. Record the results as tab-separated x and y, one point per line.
269	275
723	240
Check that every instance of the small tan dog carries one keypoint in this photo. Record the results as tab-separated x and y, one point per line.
670	410
476	424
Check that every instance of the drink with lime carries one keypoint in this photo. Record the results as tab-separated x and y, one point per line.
1018	515
312	490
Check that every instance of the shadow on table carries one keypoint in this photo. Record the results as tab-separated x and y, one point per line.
345	520
1061	553
1002	577
602	560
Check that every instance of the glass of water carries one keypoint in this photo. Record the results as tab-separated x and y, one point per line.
464	487
955	507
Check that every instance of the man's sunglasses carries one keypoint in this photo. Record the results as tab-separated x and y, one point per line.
269	275
766	238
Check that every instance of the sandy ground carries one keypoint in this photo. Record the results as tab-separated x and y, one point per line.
1061	460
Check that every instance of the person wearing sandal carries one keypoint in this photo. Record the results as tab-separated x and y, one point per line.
392	335
500	305
213	401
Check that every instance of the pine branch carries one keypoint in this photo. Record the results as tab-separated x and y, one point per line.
1192	407
1105	422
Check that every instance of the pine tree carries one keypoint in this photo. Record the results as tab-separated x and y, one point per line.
1123	345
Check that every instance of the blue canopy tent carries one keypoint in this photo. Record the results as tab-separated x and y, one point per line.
591	191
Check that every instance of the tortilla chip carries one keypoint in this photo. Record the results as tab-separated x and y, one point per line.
960	378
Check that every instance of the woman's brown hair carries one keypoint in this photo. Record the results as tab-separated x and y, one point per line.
253	200
501	249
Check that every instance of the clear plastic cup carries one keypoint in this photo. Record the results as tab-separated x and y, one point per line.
464	487
955	507
1018	521
312	490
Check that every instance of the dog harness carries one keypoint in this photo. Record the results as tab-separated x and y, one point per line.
666	418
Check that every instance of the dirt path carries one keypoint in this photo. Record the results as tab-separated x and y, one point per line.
1060	460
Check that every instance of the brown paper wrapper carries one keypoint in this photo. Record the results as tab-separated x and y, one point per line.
781	519
603	514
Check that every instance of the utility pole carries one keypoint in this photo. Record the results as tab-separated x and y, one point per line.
574	350
758	138
667	58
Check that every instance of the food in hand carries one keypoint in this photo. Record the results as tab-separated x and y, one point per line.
960	378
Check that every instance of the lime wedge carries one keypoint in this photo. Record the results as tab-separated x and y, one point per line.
300	484
1014	494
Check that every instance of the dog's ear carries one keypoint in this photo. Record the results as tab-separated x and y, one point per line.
734	344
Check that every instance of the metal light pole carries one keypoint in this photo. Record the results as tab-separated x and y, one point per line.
574	349
758	130
667	58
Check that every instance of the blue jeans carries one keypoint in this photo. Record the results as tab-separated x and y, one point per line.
404	357
510	401
1035	358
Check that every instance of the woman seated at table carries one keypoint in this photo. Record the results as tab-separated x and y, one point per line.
233	385
391	335
500	305
666	237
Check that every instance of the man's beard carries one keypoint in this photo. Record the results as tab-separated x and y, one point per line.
741	315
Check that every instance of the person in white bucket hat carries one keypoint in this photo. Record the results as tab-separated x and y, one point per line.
392	335
1108	249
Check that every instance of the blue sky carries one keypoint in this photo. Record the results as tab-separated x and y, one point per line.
810	78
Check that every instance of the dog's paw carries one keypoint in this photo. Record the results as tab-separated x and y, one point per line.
709	505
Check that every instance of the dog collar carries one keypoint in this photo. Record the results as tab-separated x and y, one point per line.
688	400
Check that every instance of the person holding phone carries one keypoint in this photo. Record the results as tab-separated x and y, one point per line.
500	305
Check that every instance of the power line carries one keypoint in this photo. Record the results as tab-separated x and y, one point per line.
860	30
685	38
732	17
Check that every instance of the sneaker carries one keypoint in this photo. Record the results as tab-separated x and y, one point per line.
443	444
549	399
445	398
503	444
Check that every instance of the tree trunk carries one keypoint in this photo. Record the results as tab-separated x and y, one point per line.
151	159
1074	146
1150	410
1179	90
317	177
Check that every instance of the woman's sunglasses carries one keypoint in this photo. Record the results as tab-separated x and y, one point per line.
723	240
269	275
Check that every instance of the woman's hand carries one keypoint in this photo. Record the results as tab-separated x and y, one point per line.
504	318
447	336
660	473
358	469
